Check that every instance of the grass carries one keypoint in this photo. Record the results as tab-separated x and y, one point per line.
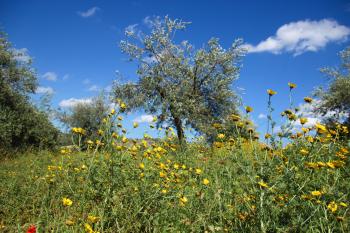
145	187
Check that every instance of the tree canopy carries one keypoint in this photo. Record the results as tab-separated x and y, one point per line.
336	98
181	85
22	125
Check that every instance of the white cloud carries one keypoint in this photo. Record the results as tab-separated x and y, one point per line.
262	116
144	119
67	103
86	81
51	76
65	77
307	110
131	29
44	90
90	12
302	36
21	55
94	88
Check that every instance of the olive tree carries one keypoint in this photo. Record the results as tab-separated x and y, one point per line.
183	86
22	125
336	98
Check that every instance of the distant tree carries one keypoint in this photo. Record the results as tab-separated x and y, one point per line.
336	98
88	116
182	86
22	125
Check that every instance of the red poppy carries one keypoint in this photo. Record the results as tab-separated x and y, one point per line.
31	229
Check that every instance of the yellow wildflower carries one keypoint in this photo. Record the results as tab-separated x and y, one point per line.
69	222
292	85
93	219
67	202
343	204
198	171
332	206
304	152
205	181
308	99
271	92
248	109
262	184
316	193
221	135
303	120
321	128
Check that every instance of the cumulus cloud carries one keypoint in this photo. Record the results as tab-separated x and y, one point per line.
262	116
86	81
50	76
21	55
302	36
144	119
65	77
94	88
308	111
68	103
89	13
44	90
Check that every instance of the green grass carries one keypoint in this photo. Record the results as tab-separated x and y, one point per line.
128	198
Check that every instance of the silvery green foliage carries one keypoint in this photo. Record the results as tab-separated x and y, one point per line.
336	98
183	86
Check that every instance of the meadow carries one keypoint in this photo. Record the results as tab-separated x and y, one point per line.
241	184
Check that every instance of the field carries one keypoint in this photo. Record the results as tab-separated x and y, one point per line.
118	184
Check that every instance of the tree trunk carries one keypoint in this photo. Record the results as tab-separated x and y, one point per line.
179	129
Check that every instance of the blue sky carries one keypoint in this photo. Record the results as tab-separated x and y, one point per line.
74	44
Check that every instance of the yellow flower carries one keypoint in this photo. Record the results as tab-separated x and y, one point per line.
221	135
316	193
304	152
308	99
198	171
124	139
343	204
235	117
271	92
183	200
88	228
69	222
93	219
176	166
248	109
67	202
303	120
162	174
292	85
123	106
267	136
262	184
135	124
112	111
321	128
142	166
164	191
205	181
332	206
330	165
